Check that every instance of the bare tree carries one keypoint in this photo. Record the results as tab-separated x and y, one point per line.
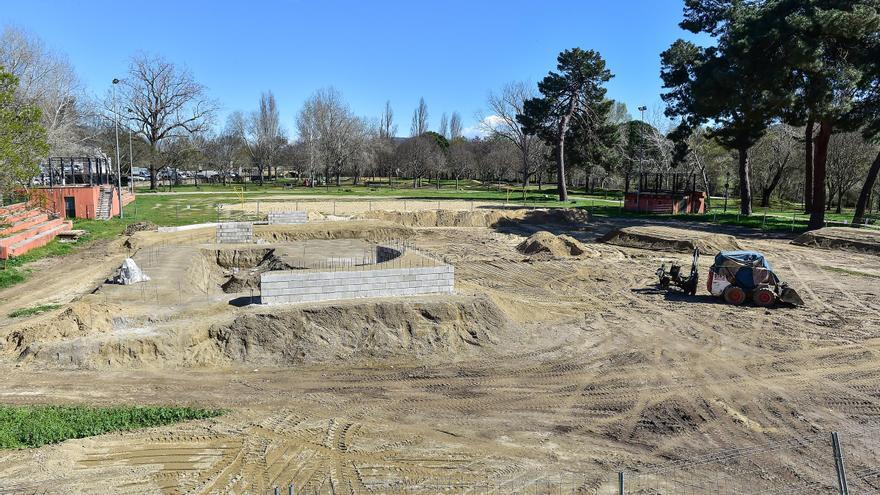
459	159
502	123
384	145
444	126
771	158
419	123
335	135
417	156
48	81
261	134
167	104
849	156
455	126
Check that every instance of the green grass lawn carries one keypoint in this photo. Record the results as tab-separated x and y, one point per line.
33	426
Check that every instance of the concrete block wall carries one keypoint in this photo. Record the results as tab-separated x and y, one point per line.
294	286
288	217
235	233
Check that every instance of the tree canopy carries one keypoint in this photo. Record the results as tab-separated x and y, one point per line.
576	93
22	138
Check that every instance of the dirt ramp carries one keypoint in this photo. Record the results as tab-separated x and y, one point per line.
671	239
844	238
482	217
415	329
545	243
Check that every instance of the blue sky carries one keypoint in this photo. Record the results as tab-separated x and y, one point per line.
451	53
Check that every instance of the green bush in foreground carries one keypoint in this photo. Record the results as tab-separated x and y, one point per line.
34	426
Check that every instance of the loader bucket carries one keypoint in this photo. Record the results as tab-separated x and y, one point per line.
790	296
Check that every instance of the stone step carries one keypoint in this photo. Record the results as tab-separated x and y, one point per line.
32	218
38	240
7	210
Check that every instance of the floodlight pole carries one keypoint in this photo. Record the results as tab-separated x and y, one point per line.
118	166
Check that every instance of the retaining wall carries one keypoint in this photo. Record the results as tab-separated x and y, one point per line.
293	286
288	217
235	233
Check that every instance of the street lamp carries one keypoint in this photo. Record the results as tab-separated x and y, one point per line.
118	167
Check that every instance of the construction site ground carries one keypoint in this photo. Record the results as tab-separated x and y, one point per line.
542	370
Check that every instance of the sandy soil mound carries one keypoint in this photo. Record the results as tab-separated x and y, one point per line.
481	217
76	320
363	330
671	239
375	231
544	242
846	238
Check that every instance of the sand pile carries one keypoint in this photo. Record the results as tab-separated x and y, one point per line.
455	327
76	320
846	238
544	242
671	239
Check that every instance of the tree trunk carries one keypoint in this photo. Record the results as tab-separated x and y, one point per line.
745	184
865	195
808	166
768	191
705	186
839	198
153	170
560	168
820	157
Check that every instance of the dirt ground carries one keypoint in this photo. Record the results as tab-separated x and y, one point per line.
540	371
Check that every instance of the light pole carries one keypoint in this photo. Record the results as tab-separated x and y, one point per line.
642	109
118	166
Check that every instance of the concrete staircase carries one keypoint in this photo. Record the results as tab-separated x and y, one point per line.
23	228
105	200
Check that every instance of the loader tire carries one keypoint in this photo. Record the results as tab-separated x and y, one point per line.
734	295
764	297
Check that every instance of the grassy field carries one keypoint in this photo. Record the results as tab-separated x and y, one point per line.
33	426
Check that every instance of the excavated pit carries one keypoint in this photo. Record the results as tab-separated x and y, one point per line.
241	266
